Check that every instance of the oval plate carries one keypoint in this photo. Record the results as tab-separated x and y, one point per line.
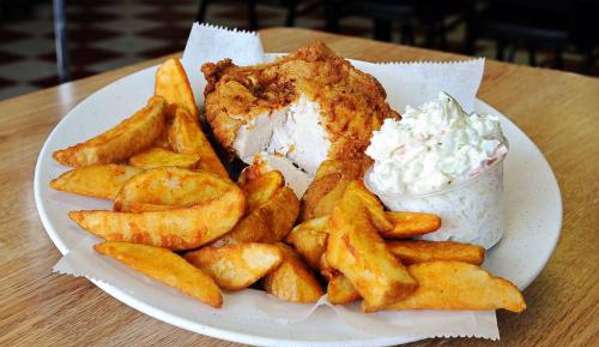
533	213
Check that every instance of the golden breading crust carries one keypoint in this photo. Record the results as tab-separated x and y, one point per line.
352	102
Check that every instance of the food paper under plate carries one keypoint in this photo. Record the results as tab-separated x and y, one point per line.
405	83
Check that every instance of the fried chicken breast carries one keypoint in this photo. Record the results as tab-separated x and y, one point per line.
308	106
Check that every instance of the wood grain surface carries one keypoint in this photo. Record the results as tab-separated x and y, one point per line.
559	112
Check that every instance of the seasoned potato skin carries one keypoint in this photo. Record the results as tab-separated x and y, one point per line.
133	135
269	223
160	157
452	285
186	136
173	85
177	229
165	266
236	267
98	181
293	280
355	249
171	186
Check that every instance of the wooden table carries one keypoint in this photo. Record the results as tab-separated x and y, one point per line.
559	111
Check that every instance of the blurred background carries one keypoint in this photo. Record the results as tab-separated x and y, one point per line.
45	42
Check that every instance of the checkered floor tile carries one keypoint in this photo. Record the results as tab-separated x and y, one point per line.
107	34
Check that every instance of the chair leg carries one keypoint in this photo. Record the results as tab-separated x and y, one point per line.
429	39
407	35
291	13
331	12
589	61
62	53
499	54
382	30
559	61
532	56
471	29
253	16
511	53
443	37
201	15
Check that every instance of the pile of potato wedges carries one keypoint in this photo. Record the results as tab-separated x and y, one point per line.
180	219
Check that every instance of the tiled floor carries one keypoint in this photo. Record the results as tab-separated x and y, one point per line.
106	34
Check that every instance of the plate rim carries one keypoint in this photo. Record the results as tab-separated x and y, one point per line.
232	335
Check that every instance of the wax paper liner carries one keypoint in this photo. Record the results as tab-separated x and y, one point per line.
405	83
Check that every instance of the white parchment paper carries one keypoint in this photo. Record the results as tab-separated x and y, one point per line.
405	83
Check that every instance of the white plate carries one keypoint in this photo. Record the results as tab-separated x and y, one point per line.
533	221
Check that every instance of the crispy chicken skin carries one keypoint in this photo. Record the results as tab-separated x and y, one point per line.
352	102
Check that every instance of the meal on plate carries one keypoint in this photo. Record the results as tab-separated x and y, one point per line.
303	219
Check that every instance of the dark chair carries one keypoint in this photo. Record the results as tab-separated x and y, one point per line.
60	41
534	24
585	30
409	14
294	8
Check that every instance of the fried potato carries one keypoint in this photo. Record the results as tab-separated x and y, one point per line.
180	229
173	85
99	181
131	136
340	291
162	140
186	136
160	157
259	189
235	267
330	181
137	207
166	267
374	209
356	249
408	224
269	223
293	280
171	186
326	270
310	240
322	195
413	252
452	285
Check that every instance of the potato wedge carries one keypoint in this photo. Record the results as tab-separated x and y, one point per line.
162	140
131	136
269	223
330	181
137	207
310	240
408	224
327	271
186	136
359	195
235	267
166	267
259	189
356	249
180	229
414	252
173	85
171	186
293	280
98	181
340	291
160	157
452	285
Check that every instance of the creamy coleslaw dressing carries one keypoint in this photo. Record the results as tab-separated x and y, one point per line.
439	159
433	146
